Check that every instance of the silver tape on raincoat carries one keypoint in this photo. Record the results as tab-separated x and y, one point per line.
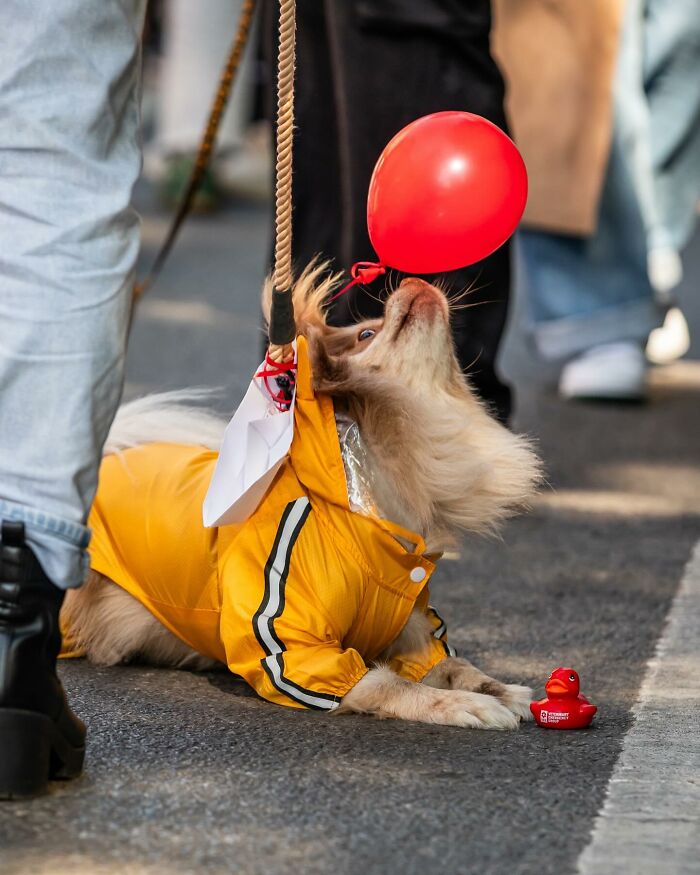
357	472
358	479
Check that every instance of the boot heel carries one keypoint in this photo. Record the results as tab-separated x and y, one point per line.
25	753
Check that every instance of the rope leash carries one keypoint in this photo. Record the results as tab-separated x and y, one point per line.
282	329
279	364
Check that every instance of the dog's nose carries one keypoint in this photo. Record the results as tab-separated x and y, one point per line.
422	294
413	283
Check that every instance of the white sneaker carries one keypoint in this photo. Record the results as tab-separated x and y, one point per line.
671	341
611	371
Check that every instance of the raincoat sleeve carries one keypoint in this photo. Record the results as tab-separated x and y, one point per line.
277	631
415	666
310	674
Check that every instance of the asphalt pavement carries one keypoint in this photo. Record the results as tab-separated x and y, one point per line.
192	773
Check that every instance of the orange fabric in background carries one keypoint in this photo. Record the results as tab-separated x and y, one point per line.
558	60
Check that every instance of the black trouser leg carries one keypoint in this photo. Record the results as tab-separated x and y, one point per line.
40	737
365	69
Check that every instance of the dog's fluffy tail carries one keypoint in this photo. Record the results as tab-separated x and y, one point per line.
168	417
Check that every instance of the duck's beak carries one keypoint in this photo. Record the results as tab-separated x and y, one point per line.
554	685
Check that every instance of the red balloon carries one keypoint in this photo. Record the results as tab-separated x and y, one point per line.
447	191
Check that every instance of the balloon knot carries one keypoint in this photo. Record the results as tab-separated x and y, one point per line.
367	271
362	272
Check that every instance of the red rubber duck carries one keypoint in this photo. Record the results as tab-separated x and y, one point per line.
564	707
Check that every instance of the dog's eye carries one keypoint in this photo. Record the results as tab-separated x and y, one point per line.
366	333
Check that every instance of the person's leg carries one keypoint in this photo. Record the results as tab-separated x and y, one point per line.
68	243
590	302
366	69
671	64
589	293
196	41
582	292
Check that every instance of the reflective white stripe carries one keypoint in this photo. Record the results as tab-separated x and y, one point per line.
276	573
306	697
440	631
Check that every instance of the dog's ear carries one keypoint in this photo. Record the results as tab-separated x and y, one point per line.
330	373
310	294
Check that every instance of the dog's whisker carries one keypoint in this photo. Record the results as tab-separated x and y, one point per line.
376	296
456	297
468	369
468	291
456	308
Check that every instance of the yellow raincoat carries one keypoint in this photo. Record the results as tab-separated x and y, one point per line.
299	598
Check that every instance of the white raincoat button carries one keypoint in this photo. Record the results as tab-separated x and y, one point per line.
417	574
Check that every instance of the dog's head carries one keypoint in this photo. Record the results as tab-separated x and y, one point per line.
440	462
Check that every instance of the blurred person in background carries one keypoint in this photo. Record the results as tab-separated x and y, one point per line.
365	69
605	103
195	42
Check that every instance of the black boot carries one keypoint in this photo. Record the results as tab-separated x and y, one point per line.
40	737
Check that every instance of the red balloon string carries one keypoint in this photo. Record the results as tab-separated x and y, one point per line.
284	376
363	272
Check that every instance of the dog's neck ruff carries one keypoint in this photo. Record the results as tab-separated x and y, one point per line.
330	459
358	474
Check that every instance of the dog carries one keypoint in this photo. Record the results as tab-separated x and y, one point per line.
320	600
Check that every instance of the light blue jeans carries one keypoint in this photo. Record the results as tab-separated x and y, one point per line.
582	292
69	157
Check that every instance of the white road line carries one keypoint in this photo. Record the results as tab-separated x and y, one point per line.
650	822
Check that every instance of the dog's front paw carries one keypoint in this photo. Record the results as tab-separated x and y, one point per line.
472	710
517	699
